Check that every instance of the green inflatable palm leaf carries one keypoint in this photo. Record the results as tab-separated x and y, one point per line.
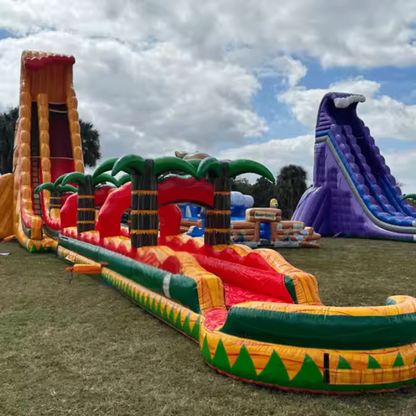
127	164
67	188
74	177
169	163
48	186
209	165
124	179
238	167
410	196
60	179
105	177
195	162
105	167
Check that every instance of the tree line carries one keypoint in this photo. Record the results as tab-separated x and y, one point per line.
289	188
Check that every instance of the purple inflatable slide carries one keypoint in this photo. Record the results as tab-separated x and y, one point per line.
353	192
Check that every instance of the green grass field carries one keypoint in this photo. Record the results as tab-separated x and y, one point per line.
83	349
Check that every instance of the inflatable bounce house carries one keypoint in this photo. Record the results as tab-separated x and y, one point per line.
254	227
253	315
192	214
354	193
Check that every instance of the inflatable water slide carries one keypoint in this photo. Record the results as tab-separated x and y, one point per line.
255	317
47	145
354	193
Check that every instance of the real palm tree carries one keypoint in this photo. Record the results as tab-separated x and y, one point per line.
242	185
144	181
263	191
290	186
86	196
7	130
91	147
90	138
220	174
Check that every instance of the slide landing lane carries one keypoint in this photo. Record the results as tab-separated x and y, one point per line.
246	284
386	226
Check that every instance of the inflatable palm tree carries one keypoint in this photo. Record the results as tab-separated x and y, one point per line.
108	166
219	173
144	181
124	179
410	196
57	190
86	196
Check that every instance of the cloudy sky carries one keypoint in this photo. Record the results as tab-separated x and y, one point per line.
232	78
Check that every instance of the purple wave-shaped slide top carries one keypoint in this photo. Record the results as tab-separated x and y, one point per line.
354	193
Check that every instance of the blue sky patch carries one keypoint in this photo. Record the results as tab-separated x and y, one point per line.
398	83
4	34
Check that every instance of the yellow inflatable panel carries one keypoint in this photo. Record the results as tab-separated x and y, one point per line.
6	205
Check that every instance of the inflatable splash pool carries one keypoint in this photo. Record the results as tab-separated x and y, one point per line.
257	318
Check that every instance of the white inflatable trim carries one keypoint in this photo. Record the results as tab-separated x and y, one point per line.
344	102
166	285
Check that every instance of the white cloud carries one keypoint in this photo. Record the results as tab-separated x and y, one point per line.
402	165
371	33
291	70
300	151
277	153
385	116
149	101
155	76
